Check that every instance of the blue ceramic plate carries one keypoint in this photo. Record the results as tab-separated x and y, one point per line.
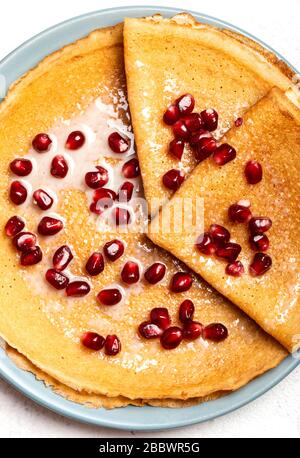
132	418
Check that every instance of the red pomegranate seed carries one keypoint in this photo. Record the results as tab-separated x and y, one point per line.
259	242
171	115
205	148
253	172
130	273
14	225
160	316
93	341
239	214
223	154
186	104
125	192
131	168
186	311
41	143
219	234
56	279
117	143
59	167
193	122
173	179
78	288
197	137
238	122
155	273
205	244
114	249
62	258
260	265
75	140
95	209
181	281
171	338
112	345
149	330
104	198
216	332
42	199
176	148
31	256
21	167
235	269
97	179
259	224
110	296
24	240
229	251
121	216
192	330
180	130
17	193
49	226
95	264
210	119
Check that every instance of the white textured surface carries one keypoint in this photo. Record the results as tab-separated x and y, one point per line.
277	413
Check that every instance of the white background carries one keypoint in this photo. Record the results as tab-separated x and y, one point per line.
277	413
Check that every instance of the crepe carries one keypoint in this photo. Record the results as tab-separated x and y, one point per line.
83	86
165	58
270	135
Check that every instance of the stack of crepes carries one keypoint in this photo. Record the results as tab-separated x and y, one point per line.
164	58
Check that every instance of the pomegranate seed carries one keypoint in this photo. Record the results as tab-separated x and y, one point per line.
235	269
17	193
176	148
205	244
155	273
49	226
21	167
197	137
149	330
259	224
14	225
95	264
41	143
171	115
253	172
223	154
110	296
75	140
42	199
78	288
216	332
193	122
104	198
160	316
192	330
114	249
112	345
181	282
171	338
125	192
121	216
59	167
205	148
173	179
186	311
185	103
180	130
130	273
238	122
93	341
56	279
219	234
24	240
117	143
131	168
259	242
239	214
95	209
97	179
31	256
261	264
62	258
229	251
210	119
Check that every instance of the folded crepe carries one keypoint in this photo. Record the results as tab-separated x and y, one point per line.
270	135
